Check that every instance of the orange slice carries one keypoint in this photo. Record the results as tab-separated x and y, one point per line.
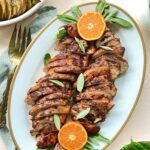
72	136
91	26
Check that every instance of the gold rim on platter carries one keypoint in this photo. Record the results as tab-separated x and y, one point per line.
35	39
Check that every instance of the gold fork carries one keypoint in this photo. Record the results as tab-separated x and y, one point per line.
17	46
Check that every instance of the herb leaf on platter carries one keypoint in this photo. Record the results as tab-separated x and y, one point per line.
61	34
99	137
122	22
81	44
101	6
80	82
47	58
106	48
67	19
76	12
57	121
111	15
57	82
83	113
94	140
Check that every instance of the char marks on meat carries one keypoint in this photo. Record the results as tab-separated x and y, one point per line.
48	98
100	69
99	88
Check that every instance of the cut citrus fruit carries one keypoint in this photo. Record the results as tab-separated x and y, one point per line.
91	26
72	136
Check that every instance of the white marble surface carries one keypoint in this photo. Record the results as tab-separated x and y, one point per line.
138	126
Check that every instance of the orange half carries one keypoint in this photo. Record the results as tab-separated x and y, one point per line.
72	136
91	26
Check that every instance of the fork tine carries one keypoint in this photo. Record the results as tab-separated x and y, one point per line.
18	42
23	44
29	39
12	41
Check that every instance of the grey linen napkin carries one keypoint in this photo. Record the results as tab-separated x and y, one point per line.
44	15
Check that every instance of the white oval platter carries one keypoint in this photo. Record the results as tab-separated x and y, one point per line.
30	69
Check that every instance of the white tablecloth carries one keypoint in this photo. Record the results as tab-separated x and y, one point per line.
138	126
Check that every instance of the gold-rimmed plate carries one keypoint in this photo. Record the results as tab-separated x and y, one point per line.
30	69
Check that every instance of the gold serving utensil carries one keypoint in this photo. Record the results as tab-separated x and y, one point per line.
17	46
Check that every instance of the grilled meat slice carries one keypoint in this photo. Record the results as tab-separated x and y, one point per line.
38	123
91	128
73	48
68	44
68	69
65	55
111	41
97	94
44	141
47	104
46	83
63	62
114	43
56	95
104	105
43	91
97	80
60	76
44	130
95	115
96	71
71	30
98	64
101	52
62	44
116	59
107	87
51	111
113	66
65	70
99	109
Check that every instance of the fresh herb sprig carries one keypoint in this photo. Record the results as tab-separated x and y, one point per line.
80	82
61	34
94	140
47	58
102	7
81	44
57	121
76	12
106	48
83	113
111	16
67	19
99	137
57	82
122	22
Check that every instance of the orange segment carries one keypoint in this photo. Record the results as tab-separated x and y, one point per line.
91	26
72	136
